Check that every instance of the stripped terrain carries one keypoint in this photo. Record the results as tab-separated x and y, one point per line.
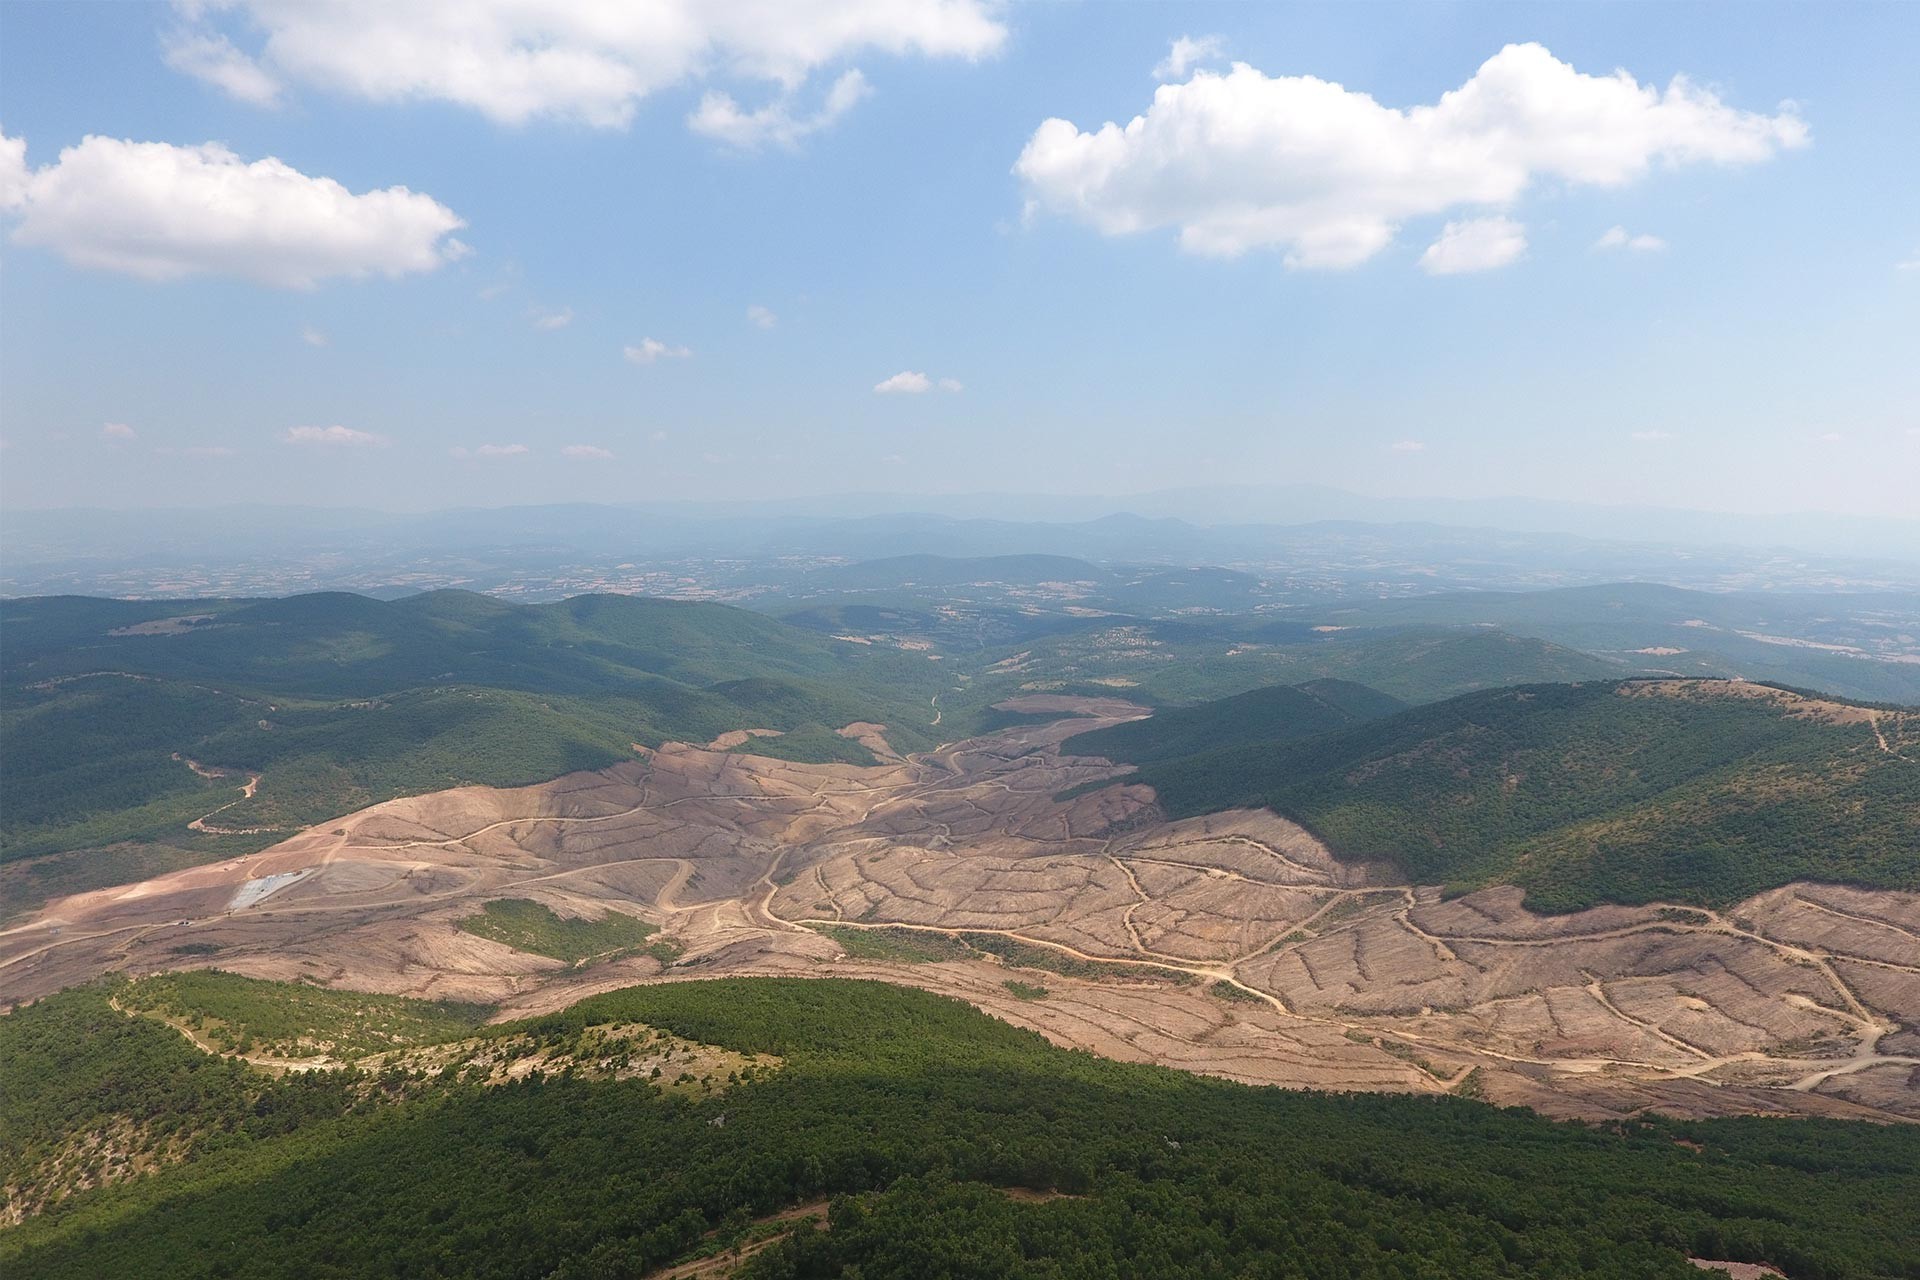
1232	944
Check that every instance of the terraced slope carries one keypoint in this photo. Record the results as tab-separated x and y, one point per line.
1232	944
1695	791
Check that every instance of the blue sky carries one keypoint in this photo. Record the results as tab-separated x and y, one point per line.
1760	356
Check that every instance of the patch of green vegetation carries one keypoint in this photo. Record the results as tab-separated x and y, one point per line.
912	1111
1024	990
1025	955
809	744
526	925
902	946
1590	793
1244	722
1224	990
293	1020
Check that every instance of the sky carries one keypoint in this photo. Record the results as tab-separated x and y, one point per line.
481	252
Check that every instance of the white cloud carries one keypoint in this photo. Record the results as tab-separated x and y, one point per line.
1652	435
1478	244
1408	446
118	431
909	382
13	172
490	451
658	437
1829	437
333	437
904	383
586	451
761	317
161	212
650	350
1241	160
721	118
1187	53
547	319
1911	264
313	337
212	57
1619	238
590	61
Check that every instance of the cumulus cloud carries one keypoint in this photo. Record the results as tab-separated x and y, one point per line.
1620	238
592	452
588	61
905	382
490	451
721	118
335	437
13	172
1240	160
761	317
547	319
161	212
118	431
1478	244
211	57
1187	53
909	382
313	337
652	350
1911	264
1408	446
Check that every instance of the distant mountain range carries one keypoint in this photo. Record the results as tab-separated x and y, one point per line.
1323	540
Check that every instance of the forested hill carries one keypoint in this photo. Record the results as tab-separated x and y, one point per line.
947	1143
1696	791
1261	717
127	721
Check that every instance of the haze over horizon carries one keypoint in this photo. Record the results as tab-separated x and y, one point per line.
1527	251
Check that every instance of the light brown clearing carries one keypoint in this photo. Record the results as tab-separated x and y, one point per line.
1738	1270
1233	944
733	738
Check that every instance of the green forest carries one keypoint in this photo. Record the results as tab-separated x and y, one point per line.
1580	793
1247	721
916	1116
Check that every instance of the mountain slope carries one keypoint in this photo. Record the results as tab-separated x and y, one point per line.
951	1144
133	722
1261	717
1687	791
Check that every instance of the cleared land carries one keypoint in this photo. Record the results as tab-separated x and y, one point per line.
1231	944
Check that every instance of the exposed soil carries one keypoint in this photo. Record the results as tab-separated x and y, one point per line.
1232	944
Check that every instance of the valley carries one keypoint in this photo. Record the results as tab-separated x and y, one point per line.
1230	943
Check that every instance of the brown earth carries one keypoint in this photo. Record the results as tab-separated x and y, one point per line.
1233	944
